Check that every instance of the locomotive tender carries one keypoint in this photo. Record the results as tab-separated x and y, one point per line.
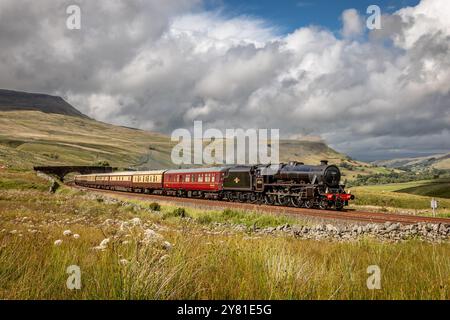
288	184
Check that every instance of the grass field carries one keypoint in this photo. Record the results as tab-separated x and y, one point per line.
435	188
198	263
414	195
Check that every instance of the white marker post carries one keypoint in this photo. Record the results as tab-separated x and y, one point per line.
434	206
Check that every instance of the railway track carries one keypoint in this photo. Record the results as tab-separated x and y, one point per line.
346	215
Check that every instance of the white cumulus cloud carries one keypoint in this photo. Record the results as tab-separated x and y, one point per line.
161	65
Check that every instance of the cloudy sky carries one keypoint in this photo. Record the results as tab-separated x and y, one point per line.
306	67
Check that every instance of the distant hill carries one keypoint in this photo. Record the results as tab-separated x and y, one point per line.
16	100
438	161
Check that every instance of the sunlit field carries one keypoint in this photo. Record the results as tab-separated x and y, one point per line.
411	197
164	252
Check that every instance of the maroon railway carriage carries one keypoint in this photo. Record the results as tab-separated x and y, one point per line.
199	182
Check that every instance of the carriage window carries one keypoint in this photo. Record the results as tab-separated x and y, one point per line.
213	178
188	178
207	178
200	178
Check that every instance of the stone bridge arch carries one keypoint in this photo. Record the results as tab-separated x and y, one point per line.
62	171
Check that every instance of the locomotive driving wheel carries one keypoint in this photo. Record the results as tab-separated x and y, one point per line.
297	202
269	199
282	200
253	198
339	205
242	197
309	204
323	204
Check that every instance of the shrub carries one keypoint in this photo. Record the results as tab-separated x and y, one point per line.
155	206
204	219
178	212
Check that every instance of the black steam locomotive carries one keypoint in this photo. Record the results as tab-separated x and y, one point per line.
292	184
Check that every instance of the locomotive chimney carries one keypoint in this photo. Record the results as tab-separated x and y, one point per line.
324	162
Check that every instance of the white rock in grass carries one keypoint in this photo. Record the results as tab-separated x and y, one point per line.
151	234
58	242
123	262
67	233
76	236
163	258
104	242
102	246
123	226
136	221
167	245
150	237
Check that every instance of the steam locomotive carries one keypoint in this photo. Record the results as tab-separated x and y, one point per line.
288	184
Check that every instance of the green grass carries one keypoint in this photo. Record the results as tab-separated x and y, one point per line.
20	180
219	267
249	219
414	195
437	188
202	264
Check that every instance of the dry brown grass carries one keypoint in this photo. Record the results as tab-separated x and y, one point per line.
200	265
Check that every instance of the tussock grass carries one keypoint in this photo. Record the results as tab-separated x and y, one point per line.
201	264
206	267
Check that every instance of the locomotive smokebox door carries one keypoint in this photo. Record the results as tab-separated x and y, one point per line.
259	184
239	178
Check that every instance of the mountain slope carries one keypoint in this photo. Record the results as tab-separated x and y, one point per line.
35	138
438	161
15	100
